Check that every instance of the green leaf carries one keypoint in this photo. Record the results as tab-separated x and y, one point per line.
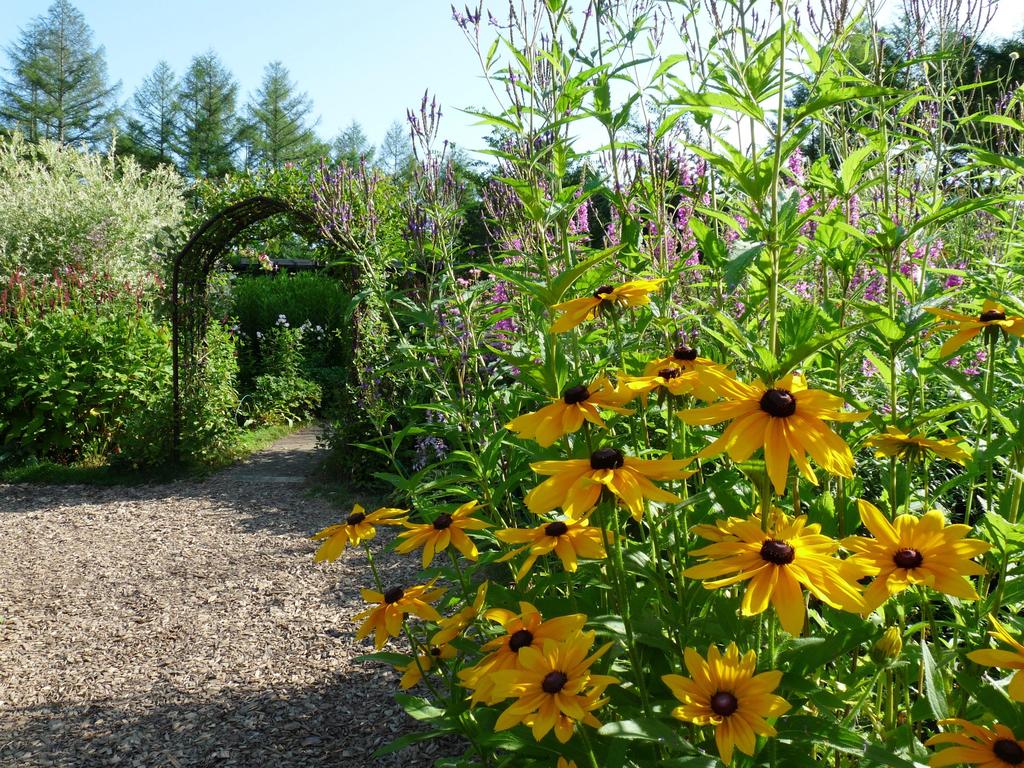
740	260
933	691
646	729
419	708
804	351
562	282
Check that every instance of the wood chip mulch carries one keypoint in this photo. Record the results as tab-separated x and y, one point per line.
186	625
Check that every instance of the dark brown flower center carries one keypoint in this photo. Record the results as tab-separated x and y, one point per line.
557	528
393	595
779	403
907	558
669	373
1008	751
520	639
575	395
604	289
355	518
724	704
553	682
777	552
442	521
991	314
435	651
684	352
607	458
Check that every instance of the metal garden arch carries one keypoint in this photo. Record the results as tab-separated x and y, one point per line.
190	314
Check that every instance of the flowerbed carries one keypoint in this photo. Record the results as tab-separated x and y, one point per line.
732	473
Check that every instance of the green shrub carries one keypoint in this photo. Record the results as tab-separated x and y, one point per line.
209	421
283	399
75	368
60	206
87	375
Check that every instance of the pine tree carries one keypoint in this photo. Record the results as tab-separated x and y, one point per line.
395	150
209	131
352	145
149	130
279	115
58	86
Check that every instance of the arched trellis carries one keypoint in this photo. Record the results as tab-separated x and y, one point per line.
190	315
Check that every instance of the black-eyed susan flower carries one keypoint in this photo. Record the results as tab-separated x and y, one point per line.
357	528
635	293
1003	659
563	763
446	528
522	630
787	419
683	372
898	444
778	563
914	550
569	539
413	672
968	326
575	485
673	381
723	691
452	626
567	414
995	747
385	618
553	687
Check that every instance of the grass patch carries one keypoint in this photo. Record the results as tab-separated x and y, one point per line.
93	472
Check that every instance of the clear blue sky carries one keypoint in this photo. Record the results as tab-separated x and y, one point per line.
357	59
367	61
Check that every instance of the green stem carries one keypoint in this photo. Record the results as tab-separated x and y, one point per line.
373	567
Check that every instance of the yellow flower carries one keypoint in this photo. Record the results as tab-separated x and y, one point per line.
563	763
914	550
968	326
681	373
901	445
569	539
724	692
445	529
413	672
996	657
385	618
451	627
777	562
553	687
357	528
567	414
995	747
522	630
632	294
787	419
575	485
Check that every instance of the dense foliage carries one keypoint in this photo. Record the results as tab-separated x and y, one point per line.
62	207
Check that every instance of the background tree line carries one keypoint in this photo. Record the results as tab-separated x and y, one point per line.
56	87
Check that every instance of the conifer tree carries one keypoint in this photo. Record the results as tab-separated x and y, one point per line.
352	145
278	116
209	131
150	128
395	150
58	87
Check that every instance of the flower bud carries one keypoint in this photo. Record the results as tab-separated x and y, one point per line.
888	647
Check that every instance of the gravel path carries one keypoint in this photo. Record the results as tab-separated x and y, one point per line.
186	625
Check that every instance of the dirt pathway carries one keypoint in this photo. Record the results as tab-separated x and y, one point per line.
186	625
